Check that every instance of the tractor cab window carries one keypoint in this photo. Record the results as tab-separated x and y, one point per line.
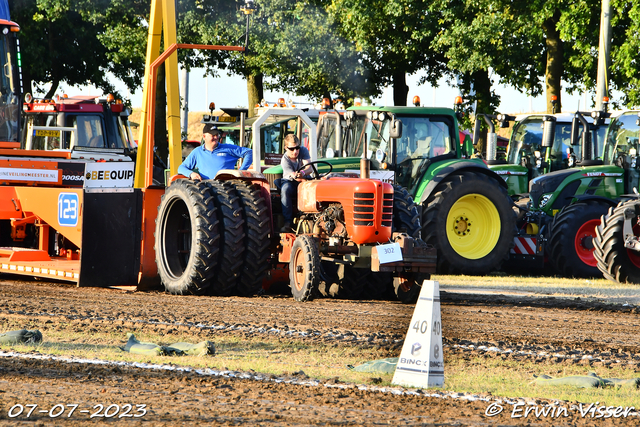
327	136
272	136
121	137
41	139
89	131
9	90
526	139
622	136
423	138
561	144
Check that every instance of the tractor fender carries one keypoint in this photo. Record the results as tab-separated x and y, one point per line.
454	169
586	197
244	175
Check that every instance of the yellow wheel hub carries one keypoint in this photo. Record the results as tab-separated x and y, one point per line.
473	226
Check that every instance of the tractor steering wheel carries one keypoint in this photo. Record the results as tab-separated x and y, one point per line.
316	175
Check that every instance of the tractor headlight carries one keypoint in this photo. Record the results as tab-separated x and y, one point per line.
545	199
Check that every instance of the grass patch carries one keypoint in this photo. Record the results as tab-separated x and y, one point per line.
273	355
515	379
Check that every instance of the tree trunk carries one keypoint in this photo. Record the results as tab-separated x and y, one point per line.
482	87
160	134
400	89
255	90
554	66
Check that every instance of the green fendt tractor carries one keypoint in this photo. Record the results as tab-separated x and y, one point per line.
526	158
464	208
558	221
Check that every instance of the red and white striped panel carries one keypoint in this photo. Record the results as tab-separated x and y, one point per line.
524	246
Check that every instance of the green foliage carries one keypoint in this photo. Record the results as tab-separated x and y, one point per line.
343	47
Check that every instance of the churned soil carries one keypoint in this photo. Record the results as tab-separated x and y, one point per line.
563	330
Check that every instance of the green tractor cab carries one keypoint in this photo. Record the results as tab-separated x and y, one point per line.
529	154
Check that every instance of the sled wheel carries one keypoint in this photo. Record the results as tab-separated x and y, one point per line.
186	238
303	268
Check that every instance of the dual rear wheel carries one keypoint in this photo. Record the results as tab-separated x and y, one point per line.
212	237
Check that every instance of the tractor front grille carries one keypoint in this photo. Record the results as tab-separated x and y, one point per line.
363	204
364	209
387	210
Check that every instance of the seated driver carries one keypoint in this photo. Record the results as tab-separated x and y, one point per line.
295	156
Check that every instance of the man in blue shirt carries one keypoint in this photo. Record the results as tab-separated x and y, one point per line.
212	156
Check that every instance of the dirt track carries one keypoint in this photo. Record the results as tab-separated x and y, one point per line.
527	327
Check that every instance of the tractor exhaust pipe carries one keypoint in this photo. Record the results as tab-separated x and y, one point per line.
365	163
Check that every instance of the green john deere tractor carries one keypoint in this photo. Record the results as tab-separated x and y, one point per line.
463	207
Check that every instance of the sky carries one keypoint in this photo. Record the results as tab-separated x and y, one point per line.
231	91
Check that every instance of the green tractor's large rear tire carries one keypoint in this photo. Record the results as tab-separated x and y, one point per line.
186	238
470	221
616	262
571	239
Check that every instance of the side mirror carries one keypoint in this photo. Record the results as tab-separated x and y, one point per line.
548	131
575	131
396	129
476	131
467	147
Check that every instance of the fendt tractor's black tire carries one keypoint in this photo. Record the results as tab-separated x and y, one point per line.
405	213
304	274
616	262
186	238
256	229
231	255
571	239
484	206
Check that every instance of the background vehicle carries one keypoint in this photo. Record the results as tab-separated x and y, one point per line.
10	83
565	206
526	158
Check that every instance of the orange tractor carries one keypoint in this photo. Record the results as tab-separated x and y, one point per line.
217	236
116	228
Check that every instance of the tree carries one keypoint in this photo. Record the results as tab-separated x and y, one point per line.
58	45
625	68
394	37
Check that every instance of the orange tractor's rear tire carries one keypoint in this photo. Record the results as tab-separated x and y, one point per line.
256	230
232	237
186	238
